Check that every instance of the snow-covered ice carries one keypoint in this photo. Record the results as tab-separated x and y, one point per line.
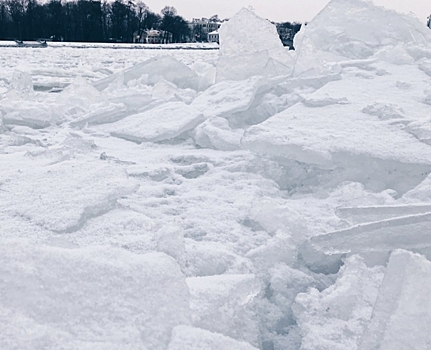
101	297
243	198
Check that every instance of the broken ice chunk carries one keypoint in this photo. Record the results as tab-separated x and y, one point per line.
322	101
421	129
357	147
396	55
407	232
22	83
104	296
359	215
365	32
108	113
240	34
310	136
228	97
245	66
211	258
161	123
166	91
170	240
157	68
309	62
401	314
134	101
61	197
227	299
216	133
190	338
241	58
425	66
207	74
2	127
335	318
421	193
120	227
79	93
384	111
36	117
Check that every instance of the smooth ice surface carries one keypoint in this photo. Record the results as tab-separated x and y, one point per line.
89	298
401	314
190	338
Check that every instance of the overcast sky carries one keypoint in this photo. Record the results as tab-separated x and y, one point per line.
276	10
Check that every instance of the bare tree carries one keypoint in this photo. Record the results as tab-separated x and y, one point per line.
169	11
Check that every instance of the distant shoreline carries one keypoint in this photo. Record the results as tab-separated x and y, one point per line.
81	45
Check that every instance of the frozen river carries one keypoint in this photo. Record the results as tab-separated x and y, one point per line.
54	67
243	198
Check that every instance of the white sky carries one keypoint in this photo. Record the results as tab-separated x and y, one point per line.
276	10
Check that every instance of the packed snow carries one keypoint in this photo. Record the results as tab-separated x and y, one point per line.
243	198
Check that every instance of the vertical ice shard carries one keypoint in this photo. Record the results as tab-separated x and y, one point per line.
190	338
250	45
22	83
401	315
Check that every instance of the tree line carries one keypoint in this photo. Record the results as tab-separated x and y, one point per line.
101	21
86	20
287	32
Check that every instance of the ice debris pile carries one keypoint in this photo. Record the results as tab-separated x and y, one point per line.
254	198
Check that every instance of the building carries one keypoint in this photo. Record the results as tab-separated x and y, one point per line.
214	37
152	36
201	27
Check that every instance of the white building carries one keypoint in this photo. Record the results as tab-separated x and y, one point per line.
152	36
202	27
214	37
